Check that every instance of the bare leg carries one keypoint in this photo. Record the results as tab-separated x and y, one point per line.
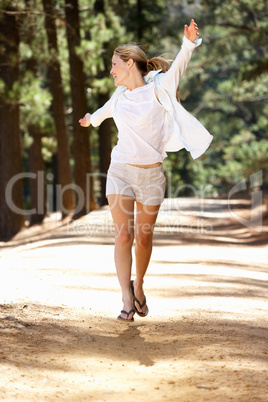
122	210
145	221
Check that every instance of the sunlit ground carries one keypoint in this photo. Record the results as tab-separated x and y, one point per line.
204	339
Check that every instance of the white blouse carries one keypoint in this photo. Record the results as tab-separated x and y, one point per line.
139	118
147	128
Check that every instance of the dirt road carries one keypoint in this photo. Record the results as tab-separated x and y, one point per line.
205	338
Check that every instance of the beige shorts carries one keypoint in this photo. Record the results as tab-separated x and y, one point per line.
145	185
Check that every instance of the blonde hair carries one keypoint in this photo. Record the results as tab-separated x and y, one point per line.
144	65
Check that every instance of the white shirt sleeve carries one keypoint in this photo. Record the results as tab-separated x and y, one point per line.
170	80
101	114
106	110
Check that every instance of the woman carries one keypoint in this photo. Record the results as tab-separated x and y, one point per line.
150	121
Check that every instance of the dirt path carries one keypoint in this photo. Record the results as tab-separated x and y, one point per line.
205	338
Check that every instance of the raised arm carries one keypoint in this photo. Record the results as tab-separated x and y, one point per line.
171	79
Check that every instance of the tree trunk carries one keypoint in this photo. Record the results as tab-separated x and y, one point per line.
36	164
11	220
65	176
140	21
37	185
105	129
105	146
81	144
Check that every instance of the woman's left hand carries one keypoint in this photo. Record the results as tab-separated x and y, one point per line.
85	121
191	31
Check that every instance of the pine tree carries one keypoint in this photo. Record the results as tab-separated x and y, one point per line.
81	144
11	203
65	176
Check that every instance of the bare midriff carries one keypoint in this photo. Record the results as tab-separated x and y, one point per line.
147	166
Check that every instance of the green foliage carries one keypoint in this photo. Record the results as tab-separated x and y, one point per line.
12	94
35	104
35	97
49	148
225	85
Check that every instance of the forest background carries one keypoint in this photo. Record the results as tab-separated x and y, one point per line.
55	66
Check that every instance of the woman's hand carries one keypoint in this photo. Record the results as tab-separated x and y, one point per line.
191	31
85	121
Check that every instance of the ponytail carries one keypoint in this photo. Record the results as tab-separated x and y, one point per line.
159	63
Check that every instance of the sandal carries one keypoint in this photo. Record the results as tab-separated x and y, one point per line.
139	303
128	314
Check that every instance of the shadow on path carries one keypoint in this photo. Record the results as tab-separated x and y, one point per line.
180	221
47	343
